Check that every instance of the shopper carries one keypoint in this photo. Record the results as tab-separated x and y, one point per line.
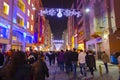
105	60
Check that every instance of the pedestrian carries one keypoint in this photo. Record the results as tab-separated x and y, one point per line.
90	60
50	57
82	63
105	60
1	59
40	69
74	59
61	60
17	68
67	61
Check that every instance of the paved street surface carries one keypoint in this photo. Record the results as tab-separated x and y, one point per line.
56	74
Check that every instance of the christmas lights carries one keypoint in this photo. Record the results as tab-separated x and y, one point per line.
60	12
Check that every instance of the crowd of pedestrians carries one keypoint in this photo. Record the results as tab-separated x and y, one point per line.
69	60
19	65
31	65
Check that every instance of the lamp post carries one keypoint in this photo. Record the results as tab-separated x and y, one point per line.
11	25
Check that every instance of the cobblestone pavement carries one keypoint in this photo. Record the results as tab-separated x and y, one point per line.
56	74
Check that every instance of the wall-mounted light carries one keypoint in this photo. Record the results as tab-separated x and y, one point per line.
87	10
105	36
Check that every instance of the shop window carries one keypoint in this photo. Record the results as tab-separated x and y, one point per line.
28	25
28	39
20	20
3	33
6	8
14	38
21	5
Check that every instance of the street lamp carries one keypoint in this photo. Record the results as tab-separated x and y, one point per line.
87	10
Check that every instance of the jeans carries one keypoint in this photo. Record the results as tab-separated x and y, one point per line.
83	69
74	66
61	64
106	67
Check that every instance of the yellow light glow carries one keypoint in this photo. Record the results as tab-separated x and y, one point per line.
20	20
29	2
81	46
73	42
6	8
21	5
31	27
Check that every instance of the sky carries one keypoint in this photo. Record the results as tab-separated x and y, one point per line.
58	25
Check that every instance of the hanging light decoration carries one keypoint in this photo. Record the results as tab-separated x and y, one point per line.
60	12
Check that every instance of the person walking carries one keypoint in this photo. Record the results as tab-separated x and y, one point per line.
17	68
1	59
82	63
67	61
40	69
105	60
50	57
74	59
90	60
61	60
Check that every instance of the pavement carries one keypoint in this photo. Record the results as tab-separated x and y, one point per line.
56	74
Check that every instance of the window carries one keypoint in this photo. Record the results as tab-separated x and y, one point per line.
31	27
31	16
28	12
29	2
27	25
32	5
21	5
6	8
20	20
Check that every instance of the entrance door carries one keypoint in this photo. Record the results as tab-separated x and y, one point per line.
99	50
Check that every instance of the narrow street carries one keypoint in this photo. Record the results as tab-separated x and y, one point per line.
56	74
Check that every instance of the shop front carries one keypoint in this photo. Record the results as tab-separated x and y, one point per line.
4	34
29	41
17	40
96	46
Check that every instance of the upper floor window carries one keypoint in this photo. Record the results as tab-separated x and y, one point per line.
21	5
28	12
31	27
29	2
6	8
28	25
20	20
31	16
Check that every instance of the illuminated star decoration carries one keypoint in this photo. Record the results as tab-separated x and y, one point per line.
60	12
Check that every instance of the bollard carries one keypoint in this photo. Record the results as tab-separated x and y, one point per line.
100	70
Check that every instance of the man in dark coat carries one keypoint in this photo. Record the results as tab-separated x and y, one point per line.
1	59
74	59
40	70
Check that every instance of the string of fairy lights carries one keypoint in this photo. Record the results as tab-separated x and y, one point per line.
59	12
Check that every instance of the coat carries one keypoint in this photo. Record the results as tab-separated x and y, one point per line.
40	70
105	58
90	60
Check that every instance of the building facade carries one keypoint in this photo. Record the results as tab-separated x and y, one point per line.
16	24
104	27
98	29
47	36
